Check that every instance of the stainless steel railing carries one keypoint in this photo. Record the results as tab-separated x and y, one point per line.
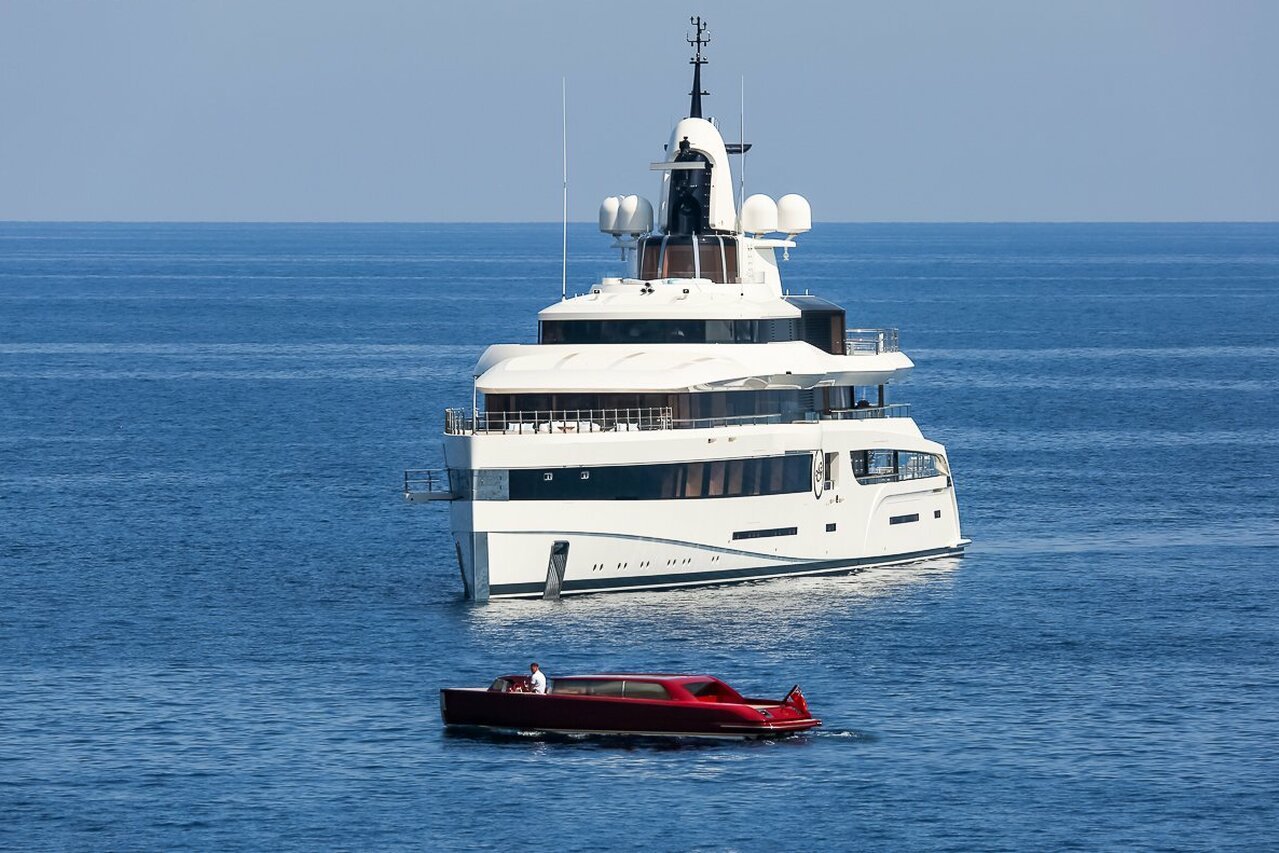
870	341
427	484
892	410
461	422
550	422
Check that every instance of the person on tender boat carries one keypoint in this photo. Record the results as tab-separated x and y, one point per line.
536	681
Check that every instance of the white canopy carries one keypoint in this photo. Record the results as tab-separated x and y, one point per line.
632	368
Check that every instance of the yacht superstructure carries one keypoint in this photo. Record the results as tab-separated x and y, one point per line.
689	423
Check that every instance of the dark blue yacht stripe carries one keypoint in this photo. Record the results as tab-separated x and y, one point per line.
813	567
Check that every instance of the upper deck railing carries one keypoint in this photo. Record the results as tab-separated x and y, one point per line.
866	413
550	422
870	341
427	484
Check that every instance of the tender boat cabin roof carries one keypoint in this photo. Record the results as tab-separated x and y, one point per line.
677	678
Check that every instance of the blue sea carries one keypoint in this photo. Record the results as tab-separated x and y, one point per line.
221	626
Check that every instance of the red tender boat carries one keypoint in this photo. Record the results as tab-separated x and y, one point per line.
627	704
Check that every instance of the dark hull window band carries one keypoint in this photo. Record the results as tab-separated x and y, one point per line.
823	328
654	332
765	534
723	478
904	519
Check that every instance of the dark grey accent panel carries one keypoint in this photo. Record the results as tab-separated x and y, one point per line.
480	565
492	484
765	534
461	567
555	569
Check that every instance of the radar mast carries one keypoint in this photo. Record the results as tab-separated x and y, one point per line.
699	41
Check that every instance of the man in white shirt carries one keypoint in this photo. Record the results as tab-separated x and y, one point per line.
537	681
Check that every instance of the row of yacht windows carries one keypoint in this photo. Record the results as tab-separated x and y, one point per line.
699	256
791	473
787	405
819	323
656	331
722	478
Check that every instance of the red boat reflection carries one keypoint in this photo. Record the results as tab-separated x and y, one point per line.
627	704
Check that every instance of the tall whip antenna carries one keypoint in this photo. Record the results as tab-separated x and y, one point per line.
741	171
564	158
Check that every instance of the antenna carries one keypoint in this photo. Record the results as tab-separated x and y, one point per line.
564	160
695	109
741	171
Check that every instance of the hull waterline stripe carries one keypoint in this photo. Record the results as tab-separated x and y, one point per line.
514	590
735	735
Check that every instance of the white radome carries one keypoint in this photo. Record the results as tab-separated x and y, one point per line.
759	214
608	214
794	215
634	216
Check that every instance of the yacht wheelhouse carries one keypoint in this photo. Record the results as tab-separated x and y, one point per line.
689	423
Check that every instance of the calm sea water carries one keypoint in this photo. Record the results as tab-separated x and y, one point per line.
221	627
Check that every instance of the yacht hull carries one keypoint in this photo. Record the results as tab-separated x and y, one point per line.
545	549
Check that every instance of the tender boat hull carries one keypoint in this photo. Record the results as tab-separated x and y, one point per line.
616	716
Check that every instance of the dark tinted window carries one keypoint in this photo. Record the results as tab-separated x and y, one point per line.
646	690
890	466
766	534
821	323
728	478
715	258
687	410
711	691
587	687
650	332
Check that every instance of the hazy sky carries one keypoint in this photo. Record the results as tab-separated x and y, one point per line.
372	110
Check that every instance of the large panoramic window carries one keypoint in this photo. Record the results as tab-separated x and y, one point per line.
721	478
650	332
709	256
890	466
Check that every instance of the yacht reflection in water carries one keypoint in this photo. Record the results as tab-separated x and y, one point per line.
746	615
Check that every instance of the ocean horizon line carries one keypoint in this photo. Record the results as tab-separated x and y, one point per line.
547	222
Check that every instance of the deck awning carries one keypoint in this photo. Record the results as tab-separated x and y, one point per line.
631	368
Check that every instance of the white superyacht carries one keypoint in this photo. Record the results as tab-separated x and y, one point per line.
689	423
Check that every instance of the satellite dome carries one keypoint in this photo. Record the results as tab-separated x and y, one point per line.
759	215
794	215
634	215
608	214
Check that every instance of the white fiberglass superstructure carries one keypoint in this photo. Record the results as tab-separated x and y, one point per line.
689	423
